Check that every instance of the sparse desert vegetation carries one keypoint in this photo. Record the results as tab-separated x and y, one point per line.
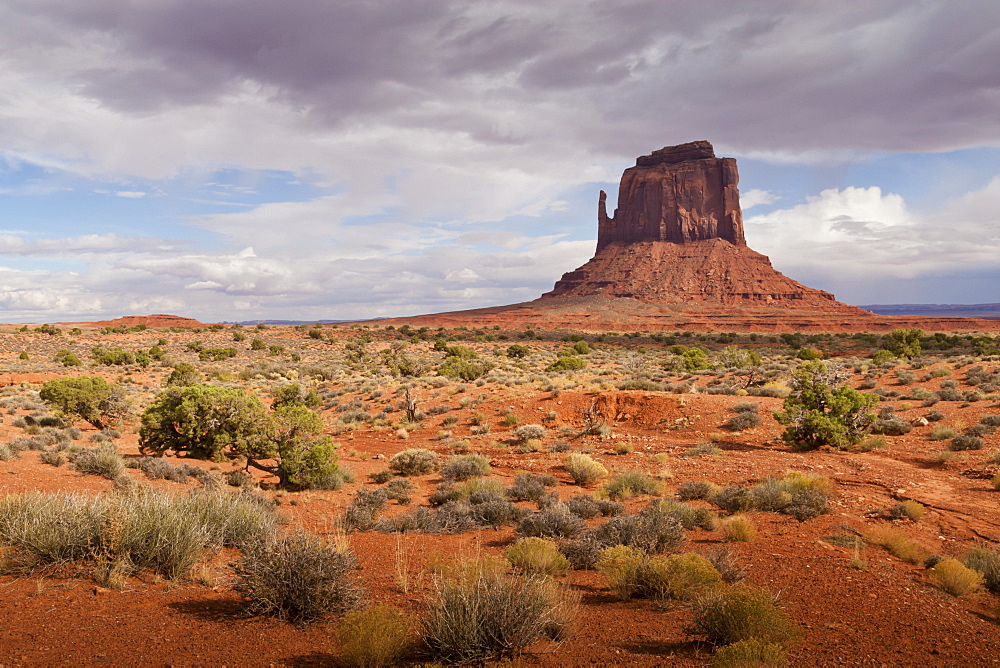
368	493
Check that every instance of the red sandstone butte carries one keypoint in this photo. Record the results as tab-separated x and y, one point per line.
674	257
677	237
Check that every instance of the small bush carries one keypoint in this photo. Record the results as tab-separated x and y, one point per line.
742	422
747	653
941	433
530	486
738	613
738	529
554	522
51	458
463	467
892	426
966	442
299	578
680	577
584	470
103	460
374	636
652	530
537	555
412	462
690	490
909	509
364	509
527	432
952	576
626	485
986	560
478	613
689	516
399	490
587	507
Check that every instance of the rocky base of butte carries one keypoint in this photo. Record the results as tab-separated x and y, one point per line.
674	256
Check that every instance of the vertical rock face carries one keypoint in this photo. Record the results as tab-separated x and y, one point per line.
678	194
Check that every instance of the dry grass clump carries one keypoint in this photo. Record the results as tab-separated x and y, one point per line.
298	577
583	469
986	560
630	572
910	509
134	529
738	529
952	576
736	613
897	543
753	653
103	460
624	486
374	636
477	612
537	555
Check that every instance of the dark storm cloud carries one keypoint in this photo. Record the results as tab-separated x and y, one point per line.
753	76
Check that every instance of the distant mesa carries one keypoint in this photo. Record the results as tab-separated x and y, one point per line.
157	320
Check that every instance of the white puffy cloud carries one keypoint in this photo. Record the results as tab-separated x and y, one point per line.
869	247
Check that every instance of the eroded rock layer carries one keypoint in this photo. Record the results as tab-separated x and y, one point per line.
678	194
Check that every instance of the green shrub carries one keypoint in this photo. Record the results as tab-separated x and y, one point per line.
478	612
414	461
568	363
298	577
90	398
818	413
131	530
583	469
737	613
689	516
529	431
537	555
374	636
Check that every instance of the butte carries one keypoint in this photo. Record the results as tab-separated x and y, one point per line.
674	257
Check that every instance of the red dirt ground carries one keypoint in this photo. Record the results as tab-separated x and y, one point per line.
887	615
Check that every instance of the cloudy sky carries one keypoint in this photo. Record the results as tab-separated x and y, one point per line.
238	159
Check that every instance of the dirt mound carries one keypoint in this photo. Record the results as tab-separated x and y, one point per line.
157	320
